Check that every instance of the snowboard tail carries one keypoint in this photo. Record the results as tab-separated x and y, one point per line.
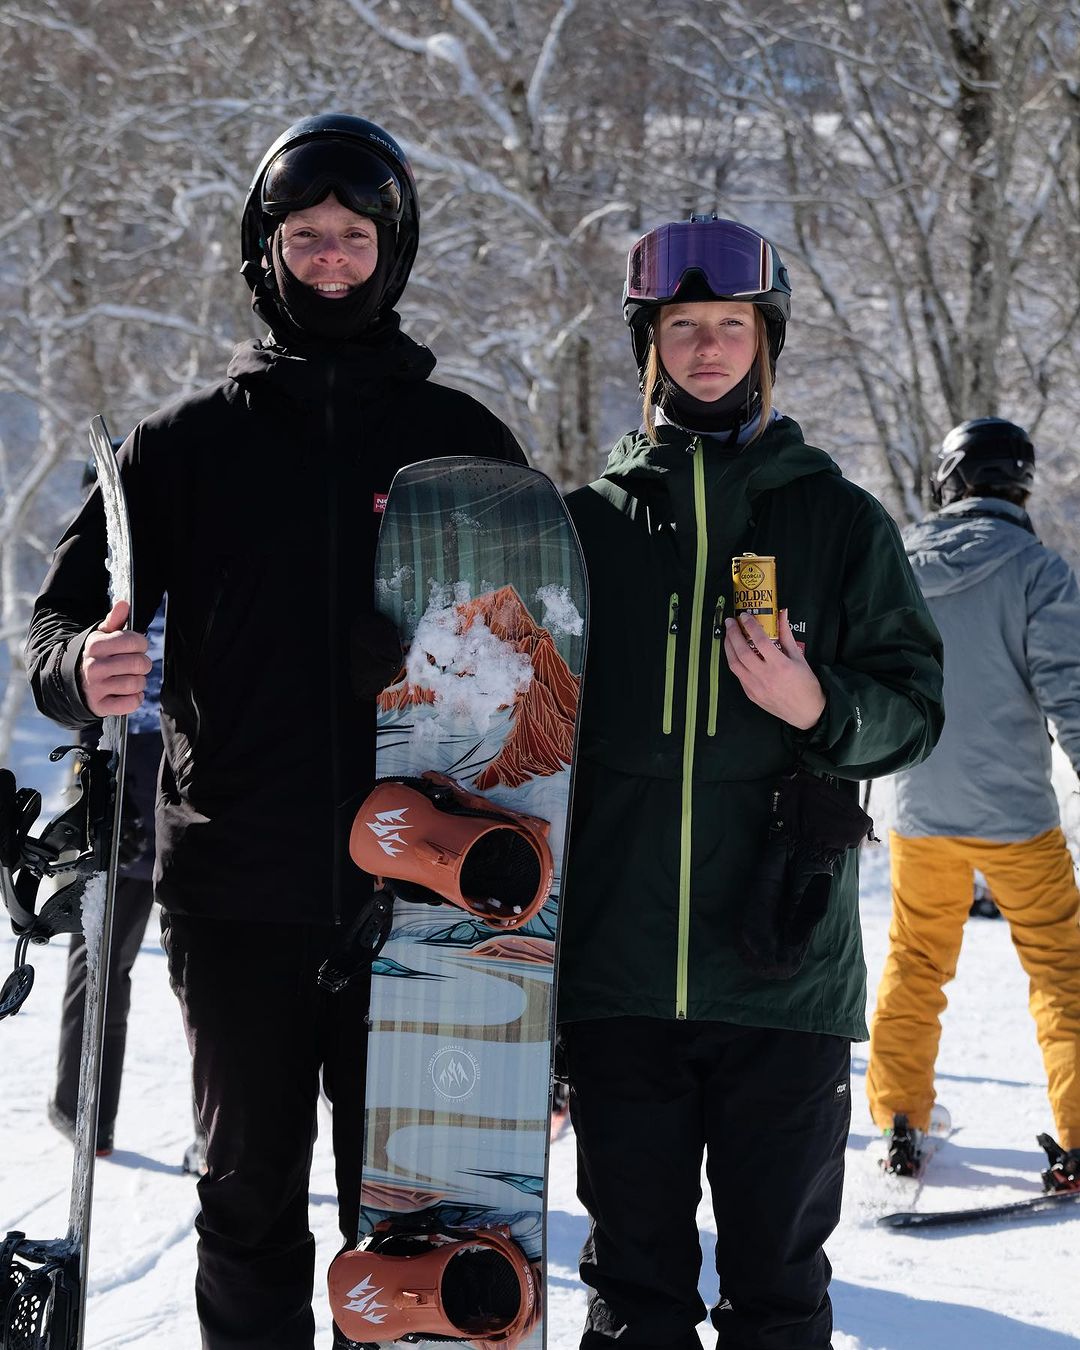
43	1283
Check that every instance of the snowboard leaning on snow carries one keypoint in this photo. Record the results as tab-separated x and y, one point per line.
1054	1203
43	1281
479	568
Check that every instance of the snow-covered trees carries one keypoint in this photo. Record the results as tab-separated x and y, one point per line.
916	161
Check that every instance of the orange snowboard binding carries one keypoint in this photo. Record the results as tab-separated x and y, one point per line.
430	839
473	1286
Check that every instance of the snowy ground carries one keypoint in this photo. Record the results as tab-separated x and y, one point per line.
997	1287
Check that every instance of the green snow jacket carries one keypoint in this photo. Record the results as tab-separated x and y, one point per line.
676	766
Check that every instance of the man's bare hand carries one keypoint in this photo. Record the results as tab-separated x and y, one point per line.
114	666
778	680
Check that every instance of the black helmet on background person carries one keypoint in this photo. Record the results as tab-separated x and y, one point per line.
360	163
982	455
704	258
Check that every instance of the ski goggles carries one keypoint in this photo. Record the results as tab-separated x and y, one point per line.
734	260
304	174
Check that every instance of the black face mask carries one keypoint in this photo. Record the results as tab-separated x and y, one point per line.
728	413
330	320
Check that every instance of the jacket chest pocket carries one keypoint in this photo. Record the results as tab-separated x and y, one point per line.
704	674
671	647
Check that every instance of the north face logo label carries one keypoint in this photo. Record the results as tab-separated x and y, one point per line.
362	1299
387	827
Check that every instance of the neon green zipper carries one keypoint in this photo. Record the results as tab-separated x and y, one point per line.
669	661
689	733
714	664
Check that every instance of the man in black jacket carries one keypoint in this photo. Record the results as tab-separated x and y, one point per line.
255	505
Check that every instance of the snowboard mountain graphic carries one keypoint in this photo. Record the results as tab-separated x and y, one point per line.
533	680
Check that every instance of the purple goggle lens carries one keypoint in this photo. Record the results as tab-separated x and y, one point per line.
734	260
303	175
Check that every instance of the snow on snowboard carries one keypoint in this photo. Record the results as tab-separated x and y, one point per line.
479	568
43	1281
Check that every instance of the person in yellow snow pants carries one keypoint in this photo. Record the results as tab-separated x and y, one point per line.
1008	610
932	879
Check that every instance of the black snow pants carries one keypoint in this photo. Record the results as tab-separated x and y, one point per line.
134	901
769	1110
261	1032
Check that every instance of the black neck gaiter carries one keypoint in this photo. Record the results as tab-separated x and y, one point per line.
329	320
730	412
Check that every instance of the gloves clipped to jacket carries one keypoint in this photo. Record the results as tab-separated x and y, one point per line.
813	824
375	654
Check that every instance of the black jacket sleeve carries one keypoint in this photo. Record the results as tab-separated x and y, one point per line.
74	597
883	694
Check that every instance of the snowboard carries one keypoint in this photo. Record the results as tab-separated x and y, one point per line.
918	1220
479	567
43	1281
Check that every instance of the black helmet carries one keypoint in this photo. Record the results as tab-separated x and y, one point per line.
704	258
360	163
984	454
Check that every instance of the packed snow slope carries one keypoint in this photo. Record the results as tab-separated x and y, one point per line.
999	1286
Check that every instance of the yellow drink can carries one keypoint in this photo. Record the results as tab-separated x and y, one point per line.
754	579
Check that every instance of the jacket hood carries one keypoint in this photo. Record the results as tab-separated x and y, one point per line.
778	456
304	374
959	546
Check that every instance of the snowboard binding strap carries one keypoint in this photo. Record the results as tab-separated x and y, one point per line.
35	1302
429	839
475	1286
1063	1174
70	846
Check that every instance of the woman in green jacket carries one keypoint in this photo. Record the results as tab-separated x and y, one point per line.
711	975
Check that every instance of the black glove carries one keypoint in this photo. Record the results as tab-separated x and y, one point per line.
813	823
375	654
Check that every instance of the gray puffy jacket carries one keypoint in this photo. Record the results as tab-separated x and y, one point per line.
1008	609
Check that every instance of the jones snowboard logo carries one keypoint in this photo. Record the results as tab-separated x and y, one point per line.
387	827
362	1299
453	1072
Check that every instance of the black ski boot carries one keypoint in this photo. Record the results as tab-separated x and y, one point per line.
982	904
1063	1174
61	1121
904	1158
194	1163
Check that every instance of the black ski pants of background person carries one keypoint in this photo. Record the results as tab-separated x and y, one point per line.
260	1032
134	900
770	1112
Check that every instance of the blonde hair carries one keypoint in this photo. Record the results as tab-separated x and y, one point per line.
764	364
